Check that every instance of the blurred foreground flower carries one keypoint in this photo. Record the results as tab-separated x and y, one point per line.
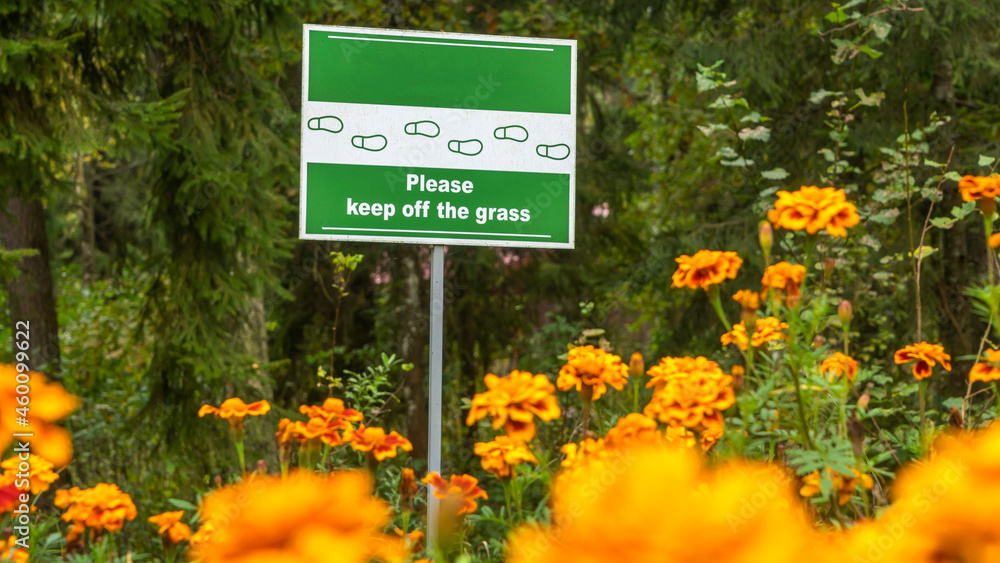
514	401
49	403
10	552
304	517
662	504
40	474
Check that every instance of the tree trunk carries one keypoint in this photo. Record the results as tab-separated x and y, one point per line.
31	296
414	334
85	212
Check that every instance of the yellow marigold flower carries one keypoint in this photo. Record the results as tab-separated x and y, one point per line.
514	401
994	241
103	508
706	268
813	209
670	368
839	365
171	527
748	300
331	410
765	329
499	456
844	486
40	474
988	368
461	491
662	504
327	431
785	278
304	517
925	356
50	403
10	552
973	188
375	440
591	370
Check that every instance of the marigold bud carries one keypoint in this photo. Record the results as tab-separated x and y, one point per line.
636	366
828	265
766	235
863	401
818	341
845	311
261	466
738	378
407	489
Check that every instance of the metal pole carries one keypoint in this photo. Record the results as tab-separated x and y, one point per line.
434	400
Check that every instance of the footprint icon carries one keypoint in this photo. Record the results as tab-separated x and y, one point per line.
471	147
327	123
555	152
373	143
424	128
512	133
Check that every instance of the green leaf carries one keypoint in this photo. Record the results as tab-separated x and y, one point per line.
753	117
873	53
182	504
727	152
923	252
881	29
820	95
711	128
964	210
954	176
986	160
874	100
929	162
775	174
737	162
886	217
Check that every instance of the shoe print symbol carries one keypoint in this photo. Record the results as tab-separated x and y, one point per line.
424	128
555	152
470	147
328	123
511	133
373	143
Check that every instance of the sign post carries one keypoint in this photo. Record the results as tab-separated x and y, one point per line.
440	139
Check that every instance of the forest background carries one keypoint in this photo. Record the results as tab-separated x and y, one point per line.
149	205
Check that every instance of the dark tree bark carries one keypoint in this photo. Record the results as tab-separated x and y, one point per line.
414	335
31	296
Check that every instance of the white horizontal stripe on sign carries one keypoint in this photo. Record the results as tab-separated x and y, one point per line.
381	135
440	43
432	232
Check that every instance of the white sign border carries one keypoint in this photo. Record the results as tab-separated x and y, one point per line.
306	28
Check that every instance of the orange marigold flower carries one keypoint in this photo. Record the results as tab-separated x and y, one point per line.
670	368
706	268
171	527
103	508
925	356
414	540
994	240
40	474
988	368
839	365
499	456
813	209
330	410
843	485
591	370
785	278
235	408
303	517
9	551
514	401
973	188
407	487
748	300
461	491
765	329
632	429
375	440
50	403
322	429
623	518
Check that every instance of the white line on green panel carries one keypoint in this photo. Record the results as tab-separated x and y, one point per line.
440	43
432	232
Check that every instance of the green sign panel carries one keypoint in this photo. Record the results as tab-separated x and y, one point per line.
437	138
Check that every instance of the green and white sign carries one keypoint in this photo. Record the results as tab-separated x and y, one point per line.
437	138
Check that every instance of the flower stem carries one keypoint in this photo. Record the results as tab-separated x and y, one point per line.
713	296
239	450
988	229
803	427
923	404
